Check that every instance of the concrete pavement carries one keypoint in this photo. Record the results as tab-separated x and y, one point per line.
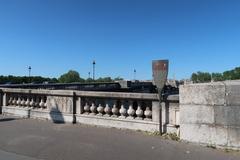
26	138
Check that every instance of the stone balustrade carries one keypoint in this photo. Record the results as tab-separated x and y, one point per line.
138	111
27	101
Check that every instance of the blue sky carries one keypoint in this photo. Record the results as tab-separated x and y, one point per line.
54	36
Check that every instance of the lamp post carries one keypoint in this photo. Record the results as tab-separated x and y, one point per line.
89	75
29	73
94	63
134	76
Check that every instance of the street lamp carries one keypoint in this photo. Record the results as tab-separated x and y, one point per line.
29	73
89	75
135	72
94	63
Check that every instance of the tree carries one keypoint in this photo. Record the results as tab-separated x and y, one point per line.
217	77
71	76
104	79
201	77
194	78
118	79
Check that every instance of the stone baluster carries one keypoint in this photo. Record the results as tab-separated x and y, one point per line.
14	101
86	108
115	110
123	110
27	102
10	100
19	101
107	110
93	109
130	111
100	109
22	102
148	114
139	112
32	104
41	104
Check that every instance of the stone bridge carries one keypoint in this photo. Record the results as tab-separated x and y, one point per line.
204	113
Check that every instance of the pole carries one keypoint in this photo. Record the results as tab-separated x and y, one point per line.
134	76
29	73
94	63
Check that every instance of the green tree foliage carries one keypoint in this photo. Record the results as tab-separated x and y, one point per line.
71	76
201	77
217	77
104	79
24	79
118	79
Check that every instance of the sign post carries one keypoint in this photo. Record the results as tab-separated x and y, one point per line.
160	73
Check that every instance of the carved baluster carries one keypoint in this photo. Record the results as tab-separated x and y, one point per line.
32	104
14	102
123	110
93	109
41	104
100	110
27	103
148	114
115	110
19	101
10	100
130	111
22	102
139	112
86	108
107	110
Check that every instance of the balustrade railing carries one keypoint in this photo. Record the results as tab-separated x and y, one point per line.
114	109
27	100
129	109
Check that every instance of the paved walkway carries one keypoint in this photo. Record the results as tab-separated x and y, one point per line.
24	138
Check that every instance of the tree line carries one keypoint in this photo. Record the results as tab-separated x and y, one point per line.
201	77
70	77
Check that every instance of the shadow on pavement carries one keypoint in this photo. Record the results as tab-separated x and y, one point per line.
56	116
7	119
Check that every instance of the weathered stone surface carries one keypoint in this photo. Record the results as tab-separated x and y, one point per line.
118	123
21	112
210	113
227	115
196	114
233	93
60	104
203	94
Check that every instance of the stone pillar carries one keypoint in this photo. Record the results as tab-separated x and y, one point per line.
4	100
79	107
1	96
156	112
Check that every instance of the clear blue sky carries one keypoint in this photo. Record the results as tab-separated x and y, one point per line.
54	36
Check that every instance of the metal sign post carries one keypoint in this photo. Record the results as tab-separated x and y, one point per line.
160	73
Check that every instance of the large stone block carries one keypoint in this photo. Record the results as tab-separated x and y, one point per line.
234	137
196	114
203	94
227	115
232	93
204	134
